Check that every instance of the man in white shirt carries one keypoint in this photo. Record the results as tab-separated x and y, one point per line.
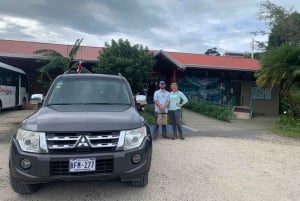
161	100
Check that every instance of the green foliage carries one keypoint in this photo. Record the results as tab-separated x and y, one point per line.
295	91
133	62
283	25
256	55
285	31
279	68
220	112
56	64
149	108
281	61
279	65
287	126
149	118
212	51
273	16
148	113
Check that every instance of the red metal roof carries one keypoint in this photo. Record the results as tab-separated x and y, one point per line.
27	48
206	61
183	60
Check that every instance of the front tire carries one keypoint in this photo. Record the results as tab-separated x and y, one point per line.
141	182
22	188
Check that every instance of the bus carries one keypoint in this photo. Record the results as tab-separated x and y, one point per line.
13	87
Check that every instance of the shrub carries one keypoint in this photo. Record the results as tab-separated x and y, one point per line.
221	112
149	117
287	126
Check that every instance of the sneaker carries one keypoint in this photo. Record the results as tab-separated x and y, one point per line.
154	137
165	136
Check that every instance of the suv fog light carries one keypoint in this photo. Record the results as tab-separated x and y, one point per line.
136	158
25	163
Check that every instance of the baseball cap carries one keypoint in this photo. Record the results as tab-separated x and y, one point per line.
162	82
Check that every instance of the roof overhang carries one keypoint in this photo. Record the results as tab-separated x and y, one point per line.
30	56
171	59
26	56
194	66
181	66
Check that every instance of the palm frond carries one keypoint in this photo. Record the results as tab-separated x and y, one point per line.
48	52
75	48
61	62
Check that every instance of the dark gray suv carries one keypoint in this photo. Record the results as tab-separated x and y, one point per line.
86	129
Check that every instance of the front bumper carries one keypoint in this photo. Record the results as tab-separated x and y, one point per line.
113	165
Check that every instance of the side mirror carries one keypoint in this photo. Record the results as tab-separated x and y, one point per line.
140	102
36	99
141	99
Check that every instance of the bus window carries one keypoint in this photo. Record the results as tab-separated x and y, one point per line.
2	77
24	82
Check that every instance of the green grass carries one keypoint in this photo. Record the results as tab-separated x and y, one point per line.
287	126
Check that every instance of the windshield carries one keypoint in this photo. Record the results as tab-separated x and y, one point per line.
89	91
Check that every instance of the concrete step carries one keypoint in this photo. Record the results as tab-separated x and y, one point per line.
241	112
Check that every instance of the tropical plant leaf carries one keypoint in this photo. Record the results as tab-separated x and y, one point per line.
75	48
56	61
48	52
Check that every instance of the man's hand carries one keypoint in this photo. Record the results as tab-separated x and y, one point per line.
162	109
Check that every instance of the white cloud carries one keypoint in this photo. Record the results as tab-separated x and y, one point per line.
178	25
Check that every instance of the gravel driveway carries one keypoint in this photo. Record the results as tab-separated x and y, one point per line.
235	162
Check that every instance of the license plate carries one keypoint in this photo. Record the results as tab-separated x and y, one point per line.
82	165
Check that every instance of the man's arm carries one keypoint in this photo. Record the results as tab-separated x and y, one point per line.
167	102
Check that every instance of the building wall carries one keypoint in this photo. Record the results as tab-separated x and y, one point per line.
246	92
268	107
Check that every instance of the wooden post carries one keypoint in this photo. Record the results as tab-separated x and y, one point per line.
174	75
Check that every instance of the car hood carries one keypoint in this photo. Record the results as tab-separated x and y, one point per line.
70	118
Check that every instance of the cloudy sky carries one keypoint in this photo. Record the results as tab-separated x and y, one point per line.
173	25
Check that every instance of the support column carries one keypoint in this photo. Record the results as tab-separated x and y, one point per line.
174	75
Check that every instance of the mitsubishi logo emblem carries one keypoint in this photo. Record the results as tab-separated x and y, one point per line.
83	142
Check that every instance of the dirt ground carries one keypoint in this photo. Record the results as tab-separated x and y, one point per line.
235	165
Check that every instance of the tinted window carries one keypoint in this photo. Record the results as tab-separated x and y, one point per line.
8	77
2	76
23	81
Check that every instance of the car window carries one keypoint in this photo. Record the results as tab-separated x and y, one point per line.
89	91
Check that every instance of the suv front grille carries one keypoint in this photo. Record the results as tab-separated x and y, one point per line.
82	142
61	168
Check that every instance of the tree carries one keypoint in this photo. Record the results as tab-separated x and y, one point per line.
133	62
281	67
57	63
285	33
212	51
284	25
280	62
256	55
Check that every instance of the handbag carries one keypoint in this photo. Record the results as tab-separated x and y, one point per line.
162	119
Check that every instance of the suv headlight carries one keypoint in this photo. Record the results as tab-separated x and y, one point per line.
31	141
134	138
